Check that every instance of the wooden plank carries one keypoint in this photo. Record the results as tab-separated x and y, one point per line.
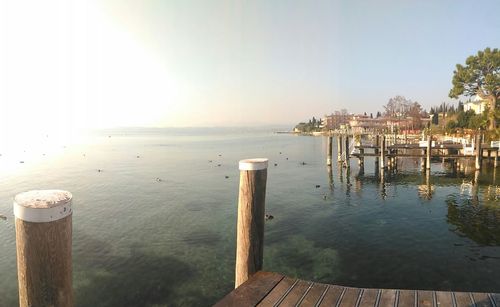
387	298
369	298
444	299
333	294
313	295
296	294
425	299
481	299
252	291
278	292
462	299
350	297
496	298
406	298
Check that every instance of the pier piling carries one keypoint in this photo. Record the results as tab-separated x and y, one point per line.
339	148
43	222
382	152
251	211
428	153
329	151
348	164
479	152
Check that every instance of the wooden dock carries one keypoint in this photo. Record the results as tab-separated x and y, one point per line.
273	289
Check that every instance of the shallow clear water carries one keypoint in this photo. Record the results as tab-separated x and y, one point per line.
141	242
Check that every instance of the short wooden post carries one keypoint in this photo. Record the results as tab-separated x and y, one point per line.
361	157
479	152
495	162
339	148
43	242
382	152
251	211
329	151
428	153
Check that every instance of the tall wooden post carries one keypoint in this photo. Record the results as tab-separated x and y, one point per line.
346	149
428	153
329	151
361	157
495	156
382	152
251	211
43	242
339	148
479	152
376	151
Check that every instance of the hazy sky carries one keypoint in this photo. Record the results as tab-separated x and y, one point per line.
73	64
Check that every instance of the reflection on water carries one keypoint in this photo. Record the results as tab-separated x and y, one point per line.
139	241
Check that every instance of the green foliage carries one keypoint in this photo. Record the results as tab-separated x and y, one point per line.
311	126
480	76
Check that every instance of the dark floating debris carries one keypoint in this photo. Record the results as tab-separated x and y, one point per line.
138	157
209	161
99	170
287	158
324	197
158	179
3	217
218	164
275	164
84	155
280	152
303	163
318	186
269	217
226	177
220	155
21	161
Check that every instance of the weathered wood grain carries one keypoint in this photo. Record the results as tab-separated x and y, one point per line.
444	299
350	297
369	298
387	298
332	296
313	295
462	299
250	228
298	292
425	299
251	292
407	298
481	299
279	292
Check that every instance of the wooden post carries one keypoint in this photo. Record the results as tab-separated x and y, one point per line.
43	242
495	162
382	152
329	151
339	148
361	157
479	152
376	151
251	211
346	149
428	153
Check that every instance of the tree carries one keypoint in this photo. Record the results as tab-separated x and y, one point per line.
480	76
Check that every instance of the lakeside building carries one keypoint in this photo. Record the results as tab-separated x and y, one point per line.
478	105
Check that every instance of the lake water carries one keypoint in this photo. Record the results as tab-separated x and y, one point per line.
138	241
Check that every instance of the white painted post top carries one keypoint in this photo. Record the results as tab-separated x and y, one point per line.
253	164
41	206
